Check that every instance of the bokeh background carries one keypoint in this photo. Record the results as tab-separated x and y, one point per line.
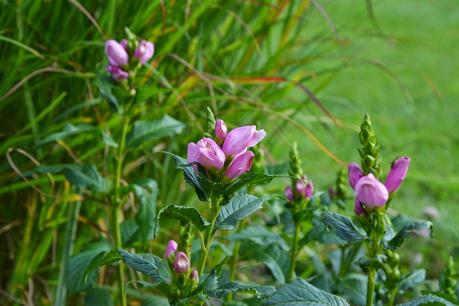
306	71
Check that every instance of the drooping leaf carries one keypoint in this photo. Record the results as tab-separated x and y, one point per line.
184	214
105	89
68	130
259	235
249	178
147	192
148	264
343	227
238	208
407	229
191	177
146	131
99	297
430	299
300	292
260	291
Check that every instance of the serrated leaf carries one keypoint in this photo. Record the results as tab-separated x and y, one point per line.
209	283
300	292
430	299
184	214
259	235
68	130
343	227
147	192
148	264
146	131
407	229
249	178
238	208
99	297
259	290
102	259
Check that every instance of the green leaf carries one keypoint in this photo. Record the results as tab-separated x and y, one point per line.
102	259
238	208
249	178
68	130
148	264
353	287
129	231
413	279
105	88
259	235
184	214
191	177
300	292
86	176
260	291
145	131
209	283
147	192
343	227
407	229
108	140
99	297
429	299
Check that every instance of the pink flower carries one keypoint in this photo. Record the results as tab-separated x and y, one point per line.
195	275
305	187
397	173
288	193
220	129
240	165
117	73
144	51
241	138
181	263
171	248
207	153
371	192
117	55
358	208
355	173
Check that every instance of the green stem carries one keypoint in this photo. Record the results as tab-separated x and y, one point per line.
371	286
294	252
392	295
209	235
117	211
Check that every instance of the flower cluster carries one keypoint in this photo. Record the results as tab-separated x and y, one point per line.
228	153
181	262
370	193
304	190
118	54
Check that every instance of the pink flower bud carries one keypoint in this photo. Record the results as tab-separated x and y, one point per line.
355	173
117	55
144	51
195	275
240	165
371	192
220	129
241	138
117	73
171	248
207	153
305	187
288	193
124	43
181	263
397	173
358	208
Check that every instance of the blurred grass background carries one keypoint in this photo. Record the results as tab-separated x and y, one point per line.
234	56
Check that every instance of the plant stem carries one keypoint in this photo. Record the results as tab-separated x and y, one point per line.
294	252
392	295
214	209
371	286
117	211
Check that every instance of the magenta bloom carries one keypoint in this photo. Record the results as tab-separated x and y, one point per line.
305	187
195	275
240	165
241	138
288	193
117	73
358	208
144	51
371	192
220	129
355	173
181	263
207	153
397	173
171	248
124	43
117	55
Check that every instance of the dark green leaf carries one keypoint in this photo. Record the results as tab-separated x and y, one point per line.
209	283
238	208
147	193
428	300
413	279
129	231
191	177
353	287
99	297
259	290
148	264
108	140
145	131
249	178
105	89
300	292
259	235
184	214
68	130
343	227
102	259
86	176
409	228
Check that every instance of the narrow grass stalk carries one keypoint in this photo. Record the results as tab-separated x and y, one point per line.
294	252
70	232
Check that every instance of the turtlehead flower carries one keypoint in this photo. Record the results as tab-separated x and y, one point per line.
181	263
220	129
144	52
117	73
195	275
171	248
397	173
371	192
305	187
116	53
288	193
240	139
207	153
240	165
355	173
358	208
